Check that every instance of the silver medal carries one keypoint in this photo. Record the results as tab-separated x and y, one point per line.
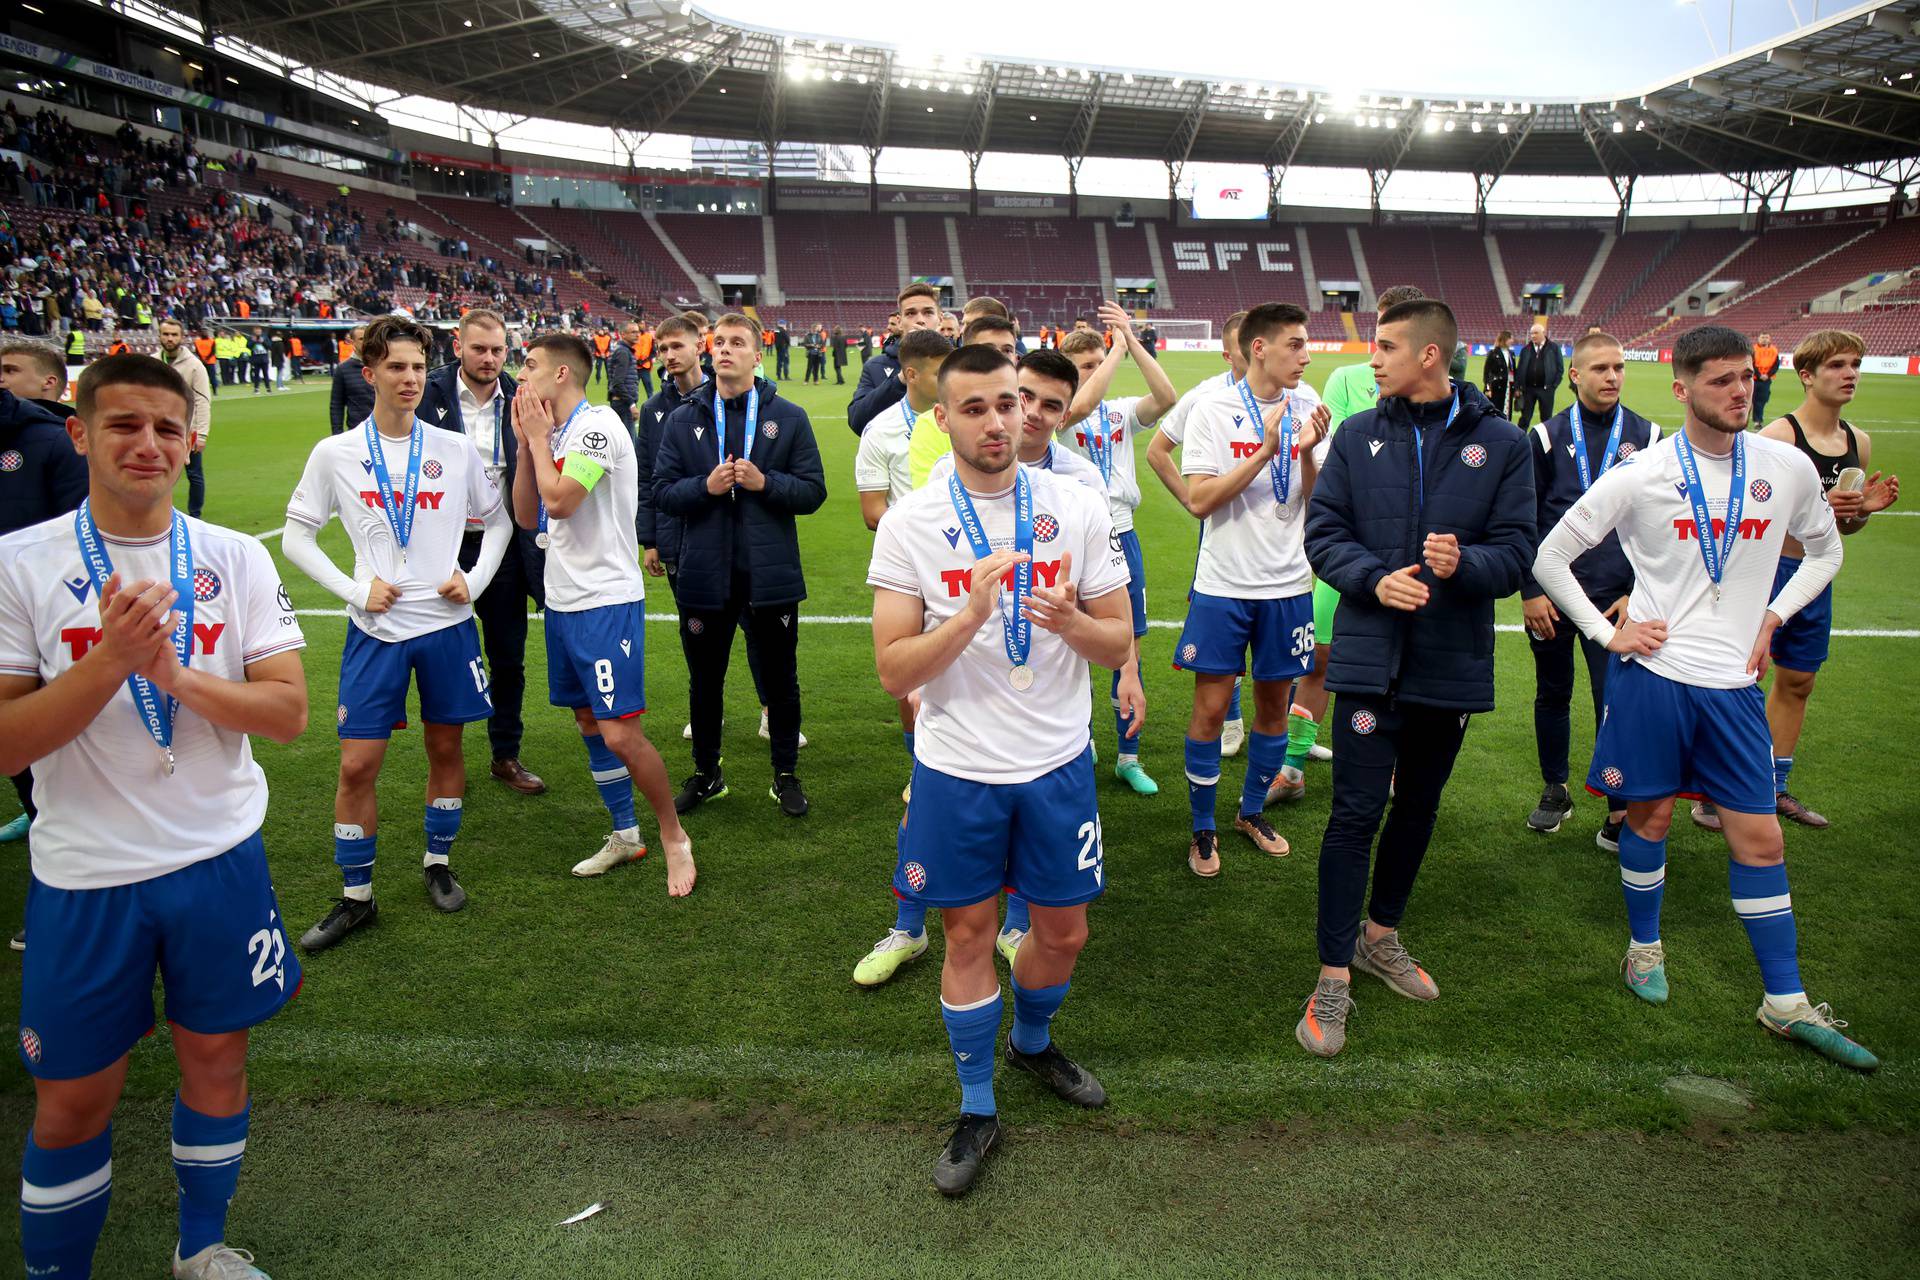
542	539
1021	678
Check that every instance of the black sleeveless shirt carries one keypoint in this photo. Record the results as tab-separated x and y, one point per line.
1828	465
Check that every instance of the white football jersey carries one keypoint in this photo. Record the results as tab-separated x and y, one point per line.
1644	499
1251	547
1117	423
1174	425
973	723
881	462
593	556
109	813
455	494
1058	459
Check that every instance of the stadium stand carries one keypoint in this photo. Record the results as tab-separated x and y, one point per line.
307	241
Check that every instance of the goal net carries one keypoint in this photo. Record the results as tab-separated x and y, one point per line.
1186	335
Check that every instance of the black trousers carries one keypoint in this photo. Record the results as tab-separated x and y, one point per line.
646	383
1553	694
1528	398
23	787
1368	732
1762	392
196	484
773	633
783	364
502	613
622	407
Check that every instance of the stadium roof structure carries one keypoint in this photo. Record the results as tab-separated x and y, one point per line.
1838	93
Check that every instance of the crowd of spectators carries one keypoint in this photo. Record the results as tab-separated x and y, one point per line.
108	234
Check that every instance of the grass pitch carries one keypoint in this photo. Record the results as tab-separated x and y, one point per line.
446	1089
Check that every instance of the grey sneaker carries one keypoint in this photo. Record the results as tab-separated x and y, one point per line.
1555	807
217	1262
1322	1029
1388	961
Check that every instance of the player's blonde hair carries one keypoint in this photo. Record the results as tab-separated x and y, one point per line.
1082	340
1823	345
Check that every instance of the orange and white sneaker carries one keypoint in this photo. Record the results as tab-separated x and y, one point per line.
1388	961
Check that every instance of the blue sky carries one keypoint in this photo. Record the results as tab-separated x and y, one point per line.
1542	48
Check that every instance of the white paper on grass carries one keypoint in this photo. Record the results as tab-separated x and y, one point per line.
584	1214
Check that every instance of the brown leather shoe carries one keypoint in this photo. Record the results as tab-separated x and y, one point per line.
515	775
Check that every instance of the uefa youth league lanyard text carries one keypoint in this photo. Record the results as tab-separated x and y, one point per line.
720	426
399	513
1100	446
1420	449
1608	458
156	711
1016	629
1280	469
557	443
1714	551
908	416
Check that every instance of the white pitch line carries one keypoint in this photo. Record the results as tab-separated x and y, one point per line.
1159	624
271	533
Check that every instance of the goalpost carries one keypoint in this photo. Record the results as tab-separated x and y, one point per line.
1186	335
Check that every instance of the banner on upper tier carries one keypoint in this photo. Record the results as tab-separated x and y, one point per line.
1900	366
1213	344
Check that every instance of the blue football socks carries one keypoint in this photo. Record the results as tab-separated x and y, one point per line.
1203	779
1782	770
1018	916
1266	752
971	1031
63	1204
612	780
443	827
908	917
1643	880
206	1164
1033	1015
1129	744
1765	907
353	853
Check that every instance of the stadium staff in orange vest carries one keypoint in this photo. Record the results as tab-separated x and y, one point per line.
204	348
1766	363
643	355
602	348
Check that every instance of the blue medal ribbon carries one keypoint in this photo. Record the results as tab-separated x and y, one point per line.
399	513
1715	551
1280	469
555	444
908	416
1100	447
720	422
1420	446
1015	626
155	711
1608	458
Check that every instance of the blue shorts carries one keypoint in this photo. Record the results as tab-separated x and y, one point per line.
597	659
1136	579
212	929
1219	632
374	676
966	840
1660	738
1801	642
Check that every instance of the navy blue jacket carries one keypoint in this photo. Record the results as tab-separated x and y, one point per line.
41	475
661	532
440	407
1603	573
783	447
352	398
1367	520
623	375
879	386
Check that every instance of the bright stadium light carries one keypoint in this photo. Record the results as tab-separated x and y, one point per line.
1320	117
1502	126
1433	124
626	42
819	73
1449	126
797	70
1618	127
1269	113
839	76
1476	126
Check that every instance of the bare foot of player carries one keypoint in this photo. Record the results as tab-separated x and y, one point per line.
680	868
